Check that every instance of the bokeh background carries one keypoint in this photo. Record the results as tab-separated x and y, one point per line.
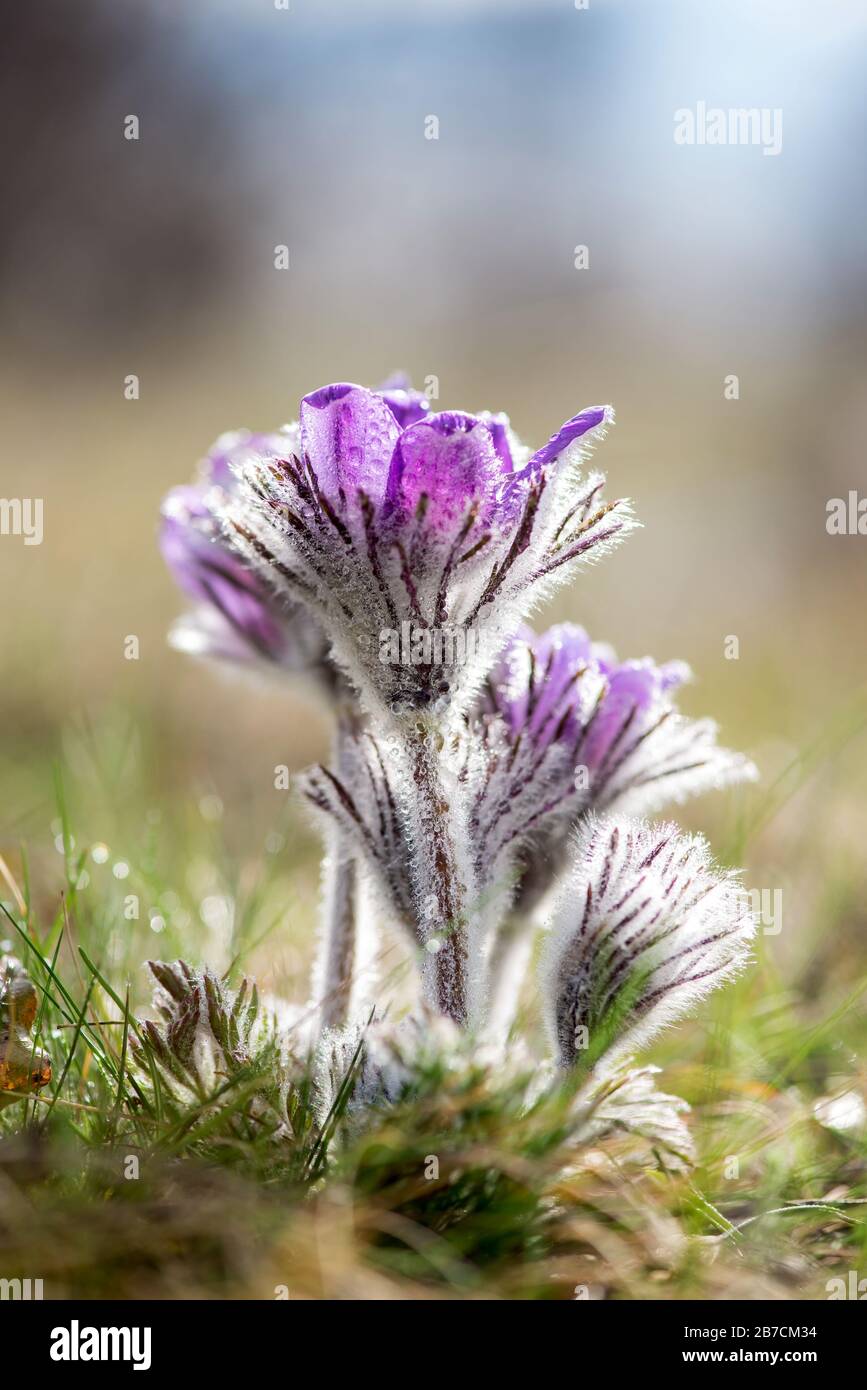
453	258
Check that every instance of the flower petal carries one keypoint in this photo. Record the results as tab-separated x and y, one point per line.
450	460
407	406
579	425
349	435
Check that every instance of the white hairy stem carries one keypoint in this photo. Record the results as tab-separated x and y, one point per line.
441	890
335	969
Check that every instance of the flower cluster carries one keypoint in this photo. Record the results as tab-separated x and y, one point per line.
561	729
486	769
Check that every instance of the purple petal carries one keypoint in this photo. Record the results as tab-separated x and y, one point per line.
450	459
186	536
295	642
635	692
407	406
222	460
203	567
555	659
499	427
349	434
573	429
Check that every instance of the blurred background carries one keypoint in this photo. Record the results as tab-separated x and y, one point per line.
452	258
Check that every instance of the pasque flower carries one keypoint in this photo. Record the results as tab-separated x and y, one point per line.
442	522
576	729
647	926
238	617
445	523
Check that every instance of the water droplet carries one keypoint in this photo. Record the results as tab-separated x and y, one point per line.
216	911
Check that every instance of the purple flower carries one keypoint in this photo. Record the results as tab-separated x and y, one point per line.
389	519
646	927
561	729
570	729
238	617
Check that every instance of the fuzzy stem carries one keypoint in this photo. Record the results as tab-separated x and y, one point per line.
339	941
336	965
440	890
